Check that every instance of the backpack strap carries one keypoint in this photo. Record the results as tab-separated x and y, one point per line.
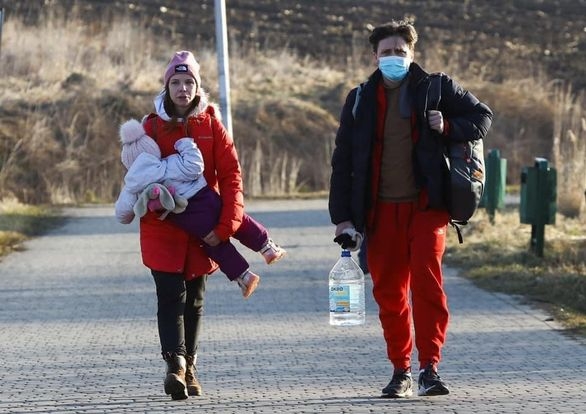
357	99
456	225
432	101
434	92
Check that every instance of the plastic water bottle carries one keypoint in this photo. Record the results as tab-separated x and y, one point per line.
346	292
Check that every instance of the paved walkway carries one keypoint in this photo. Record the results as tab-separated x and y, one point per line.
78	334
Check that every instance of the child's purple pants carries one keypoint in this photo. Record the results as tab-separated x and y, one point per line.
199	219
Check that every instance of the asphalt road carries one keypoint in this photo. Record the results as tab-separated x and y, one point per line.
78	334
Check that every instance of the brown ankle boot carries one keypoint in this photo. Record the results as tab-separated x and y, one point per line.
193	385
175	379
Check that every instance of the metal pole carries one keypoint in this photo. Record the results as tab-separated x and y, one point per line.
1	25
223	71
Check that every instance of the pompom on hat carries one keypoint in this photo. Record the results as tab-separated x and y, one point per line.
135	141
183	62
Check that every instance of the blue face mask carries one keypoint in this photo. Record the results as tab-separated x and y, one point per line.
394	68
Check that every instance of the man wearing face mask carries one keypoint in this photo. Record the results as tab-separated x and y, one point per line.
386	183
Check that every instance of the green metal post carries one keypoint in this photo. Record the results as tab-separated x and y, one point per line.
542	207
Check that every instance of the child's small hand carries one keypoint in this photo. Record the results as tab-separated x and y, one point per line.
211	239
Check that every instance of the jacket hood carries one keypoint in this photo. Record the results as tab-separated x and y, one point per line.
203	106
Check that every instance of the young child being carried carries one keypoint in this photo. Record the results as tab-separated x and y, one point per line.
181	174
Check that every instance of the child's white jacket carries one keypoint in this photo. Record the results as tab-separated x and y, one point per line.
183	171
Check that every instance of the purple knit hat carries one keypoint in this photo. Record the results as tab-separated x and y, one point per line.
183	62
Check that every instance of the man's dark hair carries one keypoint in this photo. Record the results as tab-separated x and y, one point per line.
394	28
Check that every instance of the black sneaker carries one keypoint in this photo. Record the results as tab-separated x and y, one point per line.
401	385
430	383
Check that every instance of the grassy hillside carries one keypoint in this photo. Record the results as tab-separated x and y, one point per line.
497	33
91	64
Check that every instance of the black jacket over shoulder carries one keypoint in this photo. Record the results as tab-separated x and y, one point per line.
350	184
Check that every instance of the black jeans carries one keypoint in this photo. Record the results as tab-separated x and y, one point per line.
180	311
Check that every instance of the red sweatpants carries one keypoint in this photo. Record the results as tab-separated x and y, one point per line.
404	253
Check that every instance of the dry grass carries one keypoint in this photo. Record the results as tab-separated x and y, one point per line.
498	257
58	47
82	98
18	222
61	146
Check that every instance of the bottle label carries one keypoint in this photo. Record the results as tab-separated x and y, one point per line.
340	298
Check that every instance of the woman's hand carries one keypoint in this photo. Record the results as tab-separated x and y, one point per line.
211	239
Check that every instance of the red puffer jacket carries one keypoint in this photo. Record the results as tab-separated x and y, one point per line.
166	247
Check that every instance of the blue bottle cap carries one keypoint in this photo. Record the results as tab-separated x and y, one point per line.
345	253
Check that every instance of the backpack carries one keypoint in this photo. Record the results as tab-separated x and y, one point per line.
465	178
465	173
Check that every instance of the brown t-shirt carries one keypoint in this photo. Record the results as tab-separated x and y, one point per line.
397	182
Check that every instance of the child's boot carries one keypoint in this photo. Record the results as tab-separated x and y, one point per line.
248	282
272	252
